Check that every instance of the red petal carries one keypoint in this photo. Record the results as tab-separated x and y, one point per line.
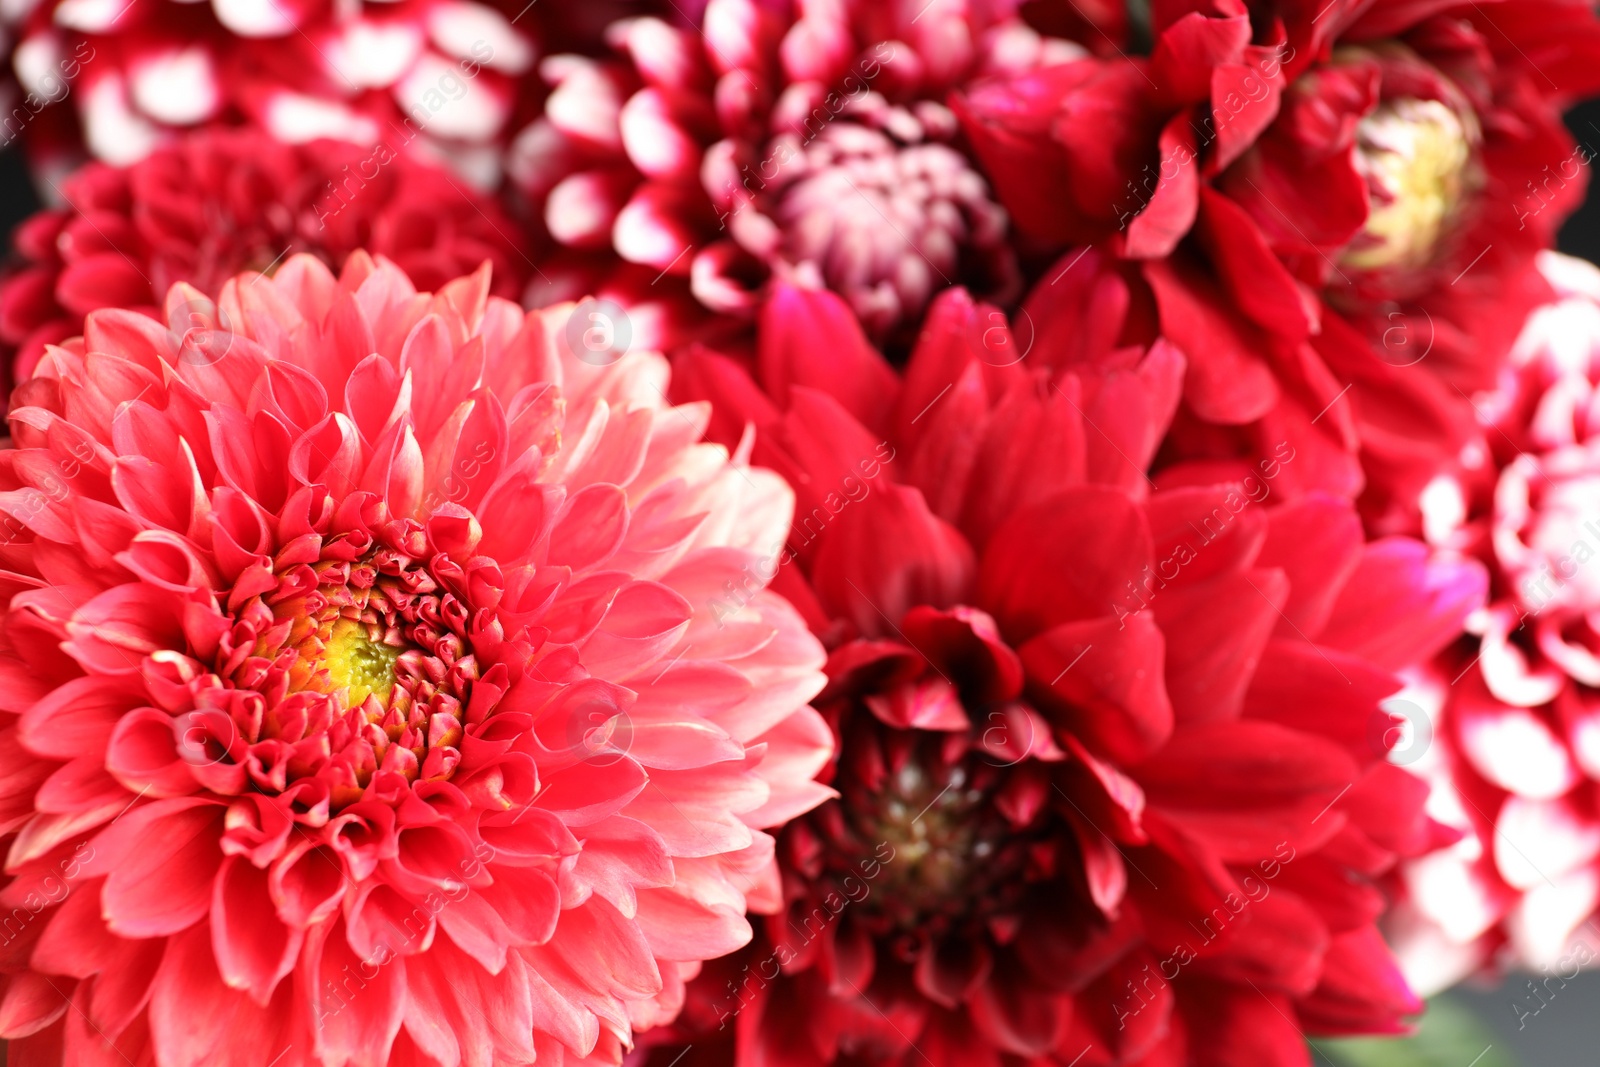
1231	1025
254	950
811	338
106	279
1190	47
362	1031
1229	382
1017	1017
1362	990
1256	280
1317	543
31	1003
1215	636
163	881
889	554
1216	764
966	641
1400	606
1065	558
1171	210
948	970
1102	680
1266	935
660	224
583	207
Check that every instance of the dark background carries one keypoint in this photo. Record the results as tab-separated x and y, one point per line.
1567	1032
1581	236
17	199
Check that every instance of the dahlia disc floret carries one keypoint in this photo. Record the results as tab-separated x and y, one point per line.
363	701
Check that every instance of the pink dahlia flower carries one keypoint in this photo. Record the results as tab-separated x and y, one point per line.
363	702
436	76
1111	775
217	202
1513	712
802	142
1331	206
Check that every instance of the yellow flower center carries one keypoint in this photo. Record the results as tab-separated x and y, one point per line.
353	660
1419	160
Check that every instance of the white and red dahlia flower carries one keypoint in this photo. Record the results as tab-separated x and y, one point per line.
362	698
439	76
807	141
1513	710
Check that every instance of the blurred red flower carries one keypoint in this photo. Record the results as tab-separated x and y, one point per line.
1330	207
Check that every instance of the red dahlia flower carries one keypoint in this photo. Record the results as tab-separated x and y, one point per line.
1513	713
1311	198
360	703
440	76
1111	773
217	202
804	141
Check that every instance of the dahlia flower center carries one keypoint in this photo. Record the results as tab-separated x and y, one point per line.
880	215
955	859
1419	158
348	668
360	661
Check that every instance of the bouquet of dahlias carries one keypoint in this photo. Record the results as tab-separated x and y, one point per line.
792	533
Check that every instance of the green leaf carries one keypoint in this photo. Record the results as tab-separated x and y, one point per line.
1451	1035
